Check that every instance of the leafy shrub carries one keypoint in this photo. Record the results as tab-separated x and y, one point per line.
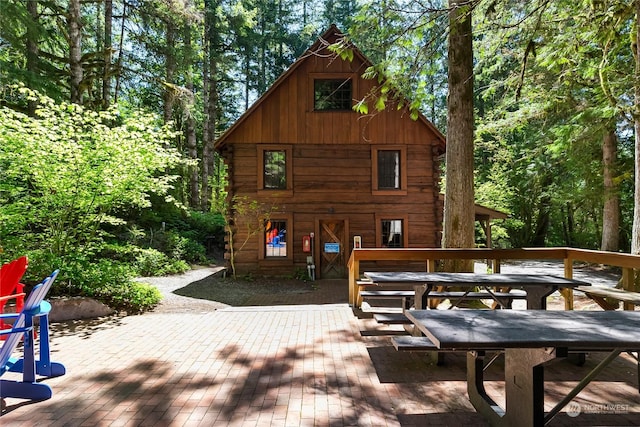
151	262
207	223
109	282
194	252
183	248
144	295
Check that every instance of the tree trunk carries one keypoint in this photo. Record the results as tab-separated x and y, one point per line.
568	225
459	216
75	50
543	218
262	69
170	72
611	209
192	148
247	73
211	107
33	66
635	233
119	59
108	40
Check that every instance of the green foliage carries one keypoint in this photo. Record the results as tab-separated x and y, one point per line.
144	261
546	98
66	177
177	232
301	274
67	171
406	43
112	284
108	281
151	262
250	218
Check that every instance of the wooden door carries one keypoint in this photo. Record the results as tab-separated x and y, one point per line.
332	249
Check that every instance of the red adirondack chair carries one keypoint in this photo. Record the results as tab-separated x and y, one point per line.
10	286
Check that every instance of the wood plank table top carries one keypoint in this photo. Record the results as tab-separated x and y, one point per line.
461	279
537	286
478	329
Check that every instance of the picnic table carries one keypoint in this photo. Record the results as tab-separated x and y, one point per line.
537	286
530	340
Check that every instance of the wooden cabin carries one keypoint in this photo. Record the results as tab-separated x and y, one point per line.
325	177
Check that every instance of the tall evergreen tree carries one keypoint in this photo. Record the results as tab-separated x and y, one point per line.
459	219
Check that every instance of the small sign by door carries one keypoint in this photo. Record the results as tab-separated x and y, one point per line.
332	248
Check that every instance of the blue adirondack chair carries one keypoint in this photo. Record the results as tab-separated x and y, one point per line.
23	327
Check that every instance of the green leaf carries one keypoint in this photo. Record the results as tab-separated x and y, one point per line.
361	107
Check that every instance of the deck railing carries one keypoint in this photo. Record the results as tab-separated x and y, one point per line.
626	262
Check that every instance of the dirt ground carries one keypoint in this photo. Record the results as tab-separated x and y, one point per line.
206	289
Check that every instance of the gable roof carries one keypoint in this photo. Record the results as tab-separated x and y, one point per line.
322	43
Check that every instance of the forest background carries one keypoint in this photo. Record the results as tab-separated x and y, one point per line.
109	110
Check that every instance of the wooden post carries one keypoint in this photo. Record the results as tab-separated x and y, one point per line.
354	275
567	293
495	267
628	284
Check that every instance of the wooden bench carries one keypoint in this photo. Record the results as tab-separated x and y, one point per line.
387	294
362	285
600	294
505	298
412	343
391	318
424	344
407	297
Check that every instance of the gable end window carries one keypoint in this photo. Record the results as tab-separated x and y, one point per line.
332	94
389	170
275	169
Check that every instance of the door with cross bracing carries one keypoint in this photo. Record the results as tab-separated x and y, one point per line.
332	249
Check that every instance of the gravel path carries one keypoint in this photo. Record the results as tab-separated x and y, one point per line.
174	303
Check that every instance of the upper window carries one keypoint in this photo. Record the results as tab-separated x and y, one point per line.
275	169
389	170
332	94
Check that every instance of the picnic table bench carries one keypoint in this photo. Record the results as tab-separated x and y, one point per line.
603	296
391	318
504	299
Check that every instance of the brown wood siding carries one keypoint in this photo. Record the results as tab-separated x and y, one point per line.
337	183
287	116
